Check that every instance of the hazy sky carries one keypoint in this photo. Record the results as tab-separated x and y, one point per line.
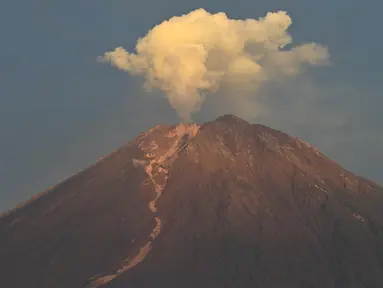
60	110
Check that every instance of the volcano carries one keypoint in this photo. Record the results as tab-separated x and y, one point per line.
223	204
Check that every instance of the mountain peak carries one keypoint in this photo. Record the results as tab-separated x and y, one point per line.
231	118
223	204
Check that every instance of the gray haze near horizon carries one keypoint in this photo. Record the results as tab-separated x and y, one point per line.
60	110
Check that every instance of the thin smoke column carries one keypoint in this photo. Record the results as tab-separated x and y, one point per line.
191	56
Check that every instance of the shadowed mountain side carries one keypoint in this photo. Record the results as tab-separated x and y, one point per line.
241	206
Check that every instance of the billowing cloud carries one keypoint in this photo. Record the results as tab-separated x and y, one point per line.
191	56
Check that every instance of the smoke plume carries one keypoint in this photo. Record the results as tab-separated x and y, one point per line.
191	56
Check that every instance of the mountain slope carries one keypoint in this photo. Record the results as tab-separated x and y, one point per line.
227	204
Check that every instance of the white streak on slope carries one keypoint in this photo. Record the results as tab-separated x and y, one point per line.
152	169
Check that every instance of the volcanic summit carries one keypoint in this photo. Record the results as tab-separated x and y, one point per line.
223	204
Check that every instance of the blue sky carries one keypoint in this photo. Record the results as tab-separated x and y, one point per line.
60	110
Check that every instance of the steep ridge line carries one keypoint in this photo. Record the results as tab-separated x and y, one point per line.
183	134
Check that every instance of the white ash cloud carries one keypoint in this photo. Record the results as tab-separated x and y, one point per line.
191	56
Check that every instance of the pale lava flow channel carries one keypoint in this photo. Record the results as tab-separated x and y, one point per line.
153	164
